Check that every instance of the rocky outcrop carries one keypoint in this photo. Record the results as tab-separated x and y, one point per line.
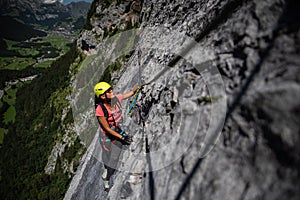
229	67
108	18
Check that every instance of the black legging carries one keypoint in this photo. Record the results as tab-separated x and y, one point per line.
110	156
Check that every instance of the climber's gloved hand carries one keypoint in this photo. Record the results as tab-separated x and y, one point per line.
127	139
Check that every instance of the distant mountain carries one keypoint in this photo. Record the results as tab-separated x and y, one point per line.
13	28
65	2
78	9
47	17
52	1
33	11
69	1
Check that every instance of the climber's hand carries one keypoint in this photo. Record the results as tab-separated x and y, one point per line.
136	88
127	139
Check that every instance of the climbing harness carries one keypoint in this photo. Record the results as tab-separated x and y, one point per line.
102	135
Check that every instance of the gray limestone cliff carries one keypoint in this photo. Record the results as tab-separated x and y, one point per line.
219	117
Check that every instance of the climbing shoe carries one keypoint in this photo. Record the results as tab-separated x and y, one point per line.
104	174
106	186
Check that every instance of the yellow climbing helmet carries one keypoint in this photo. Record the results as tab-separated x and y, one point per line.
100	88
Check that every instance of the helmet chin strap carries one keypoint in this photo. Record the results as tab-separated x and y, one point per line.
114	100
111	101
108	100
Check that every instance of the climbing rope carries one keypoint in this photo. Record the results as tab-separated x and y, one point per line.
133	103
135	96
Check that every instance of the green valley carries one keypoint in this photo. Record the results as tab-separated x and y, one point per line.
38	57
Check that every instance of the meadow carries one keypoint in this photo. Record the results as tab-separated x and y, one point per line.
20	60
38	52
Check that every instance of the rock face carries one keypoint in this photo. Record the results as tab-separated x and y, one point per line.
107	18
229	66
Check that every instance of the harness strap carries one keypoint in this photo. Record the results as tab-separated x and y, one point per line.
106	139
106	115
